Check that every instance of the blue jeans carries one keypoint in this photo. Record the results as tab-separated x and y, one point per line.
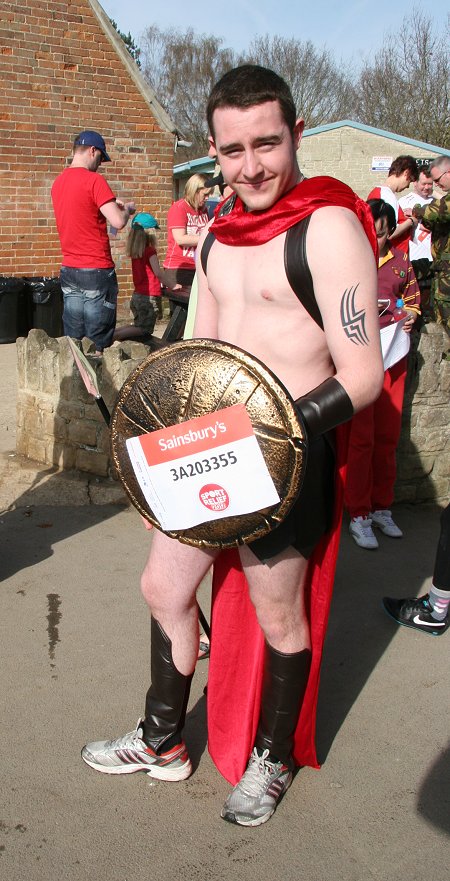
90	304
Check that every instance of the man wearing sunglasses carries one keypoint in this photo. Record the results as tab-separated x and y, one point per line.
436	218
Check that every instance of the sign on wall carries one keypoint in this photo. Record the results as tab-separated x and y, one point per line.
381	163
422	161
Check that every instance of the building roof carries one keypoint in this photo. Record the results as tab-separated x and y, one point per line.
204	165
318	129
197	164
144	87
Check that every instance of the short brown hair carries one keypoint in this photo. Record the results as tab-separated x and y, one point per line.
248	85
380	209
405	163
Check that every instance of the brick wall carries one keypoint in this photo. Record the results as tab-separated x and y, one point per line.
346	153
63	69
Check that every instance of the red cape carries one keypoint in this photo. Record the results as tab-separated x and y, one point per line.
241	227
237	648
237	645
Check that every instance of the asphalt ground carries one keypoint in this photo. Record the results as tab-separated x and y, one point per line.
74	654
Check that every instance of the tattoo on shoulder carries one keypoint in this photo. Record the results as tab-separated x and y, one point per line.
353	319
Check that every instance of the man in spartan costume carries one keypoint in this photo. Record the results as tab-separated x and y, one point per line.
290	277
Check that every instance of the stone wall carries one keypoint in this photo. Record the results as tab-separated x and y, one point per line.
423	456
59	423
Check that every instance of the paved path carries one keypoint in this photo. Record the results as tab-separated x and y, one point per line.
74	661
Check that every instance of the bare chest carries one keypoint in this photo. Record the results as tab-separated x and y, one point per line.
249	277
259	311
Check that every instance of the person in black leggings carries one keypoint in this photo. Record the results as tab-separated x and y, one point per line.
430	612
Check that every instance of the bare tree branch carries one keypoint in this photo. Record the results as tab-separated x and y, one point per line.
404	88
182	68
321	91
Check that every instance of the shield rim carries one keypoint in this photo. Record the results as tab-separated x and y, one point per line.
270	518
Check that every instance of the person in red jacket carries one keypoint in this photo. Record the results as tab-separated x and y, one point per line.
375	431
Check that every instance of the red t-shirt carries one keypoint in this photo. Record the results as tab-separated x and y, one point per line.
182	216
385	193
77	196
144	279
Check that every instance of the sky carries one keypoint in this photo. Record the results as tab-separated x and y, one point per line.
350	31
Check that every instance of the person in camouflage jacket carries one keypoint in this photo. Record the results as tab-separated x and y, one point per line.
436	217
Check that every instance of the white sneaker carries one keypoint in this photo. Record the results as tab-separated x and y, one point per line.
254	799
129	753
383	520
361	531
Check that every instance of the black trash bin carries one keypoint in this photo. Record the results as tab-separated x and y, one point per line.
14	311
46	300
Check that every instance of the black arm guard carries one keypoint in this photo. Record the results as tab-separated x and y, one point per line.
325	407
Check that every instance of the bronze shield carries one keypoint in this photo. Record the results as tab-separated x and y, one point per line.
191	378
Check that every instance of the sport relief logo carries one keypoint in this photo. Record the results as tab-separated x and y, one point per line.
214	497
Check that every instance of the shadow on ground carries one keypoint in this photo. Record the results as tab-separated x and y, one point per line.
359	630
54	507
433	802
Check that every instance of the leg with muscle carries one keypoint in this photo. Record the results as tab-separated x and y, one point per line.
169	585
276	591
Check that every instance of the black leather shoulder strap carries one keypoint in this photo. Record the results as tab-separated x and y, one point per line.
295	262
227	206
206	247
297	270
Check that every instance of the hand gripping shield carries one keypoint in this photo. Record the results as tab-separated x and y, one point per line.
192	378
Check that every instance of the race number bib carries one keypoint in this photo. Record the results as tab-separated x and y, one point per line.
203	469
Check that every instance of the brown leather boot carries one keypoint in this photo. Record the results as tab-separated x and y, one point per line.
284	685
167	698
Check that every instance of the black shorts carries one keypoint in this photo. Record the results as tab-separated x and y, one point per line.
311	514
184	277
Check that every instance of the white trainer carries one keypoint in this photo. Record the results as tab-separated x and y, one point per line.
383	520
361	531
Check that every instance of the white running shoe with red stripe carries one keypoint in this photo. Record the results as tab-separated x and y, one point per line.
130	753
254	799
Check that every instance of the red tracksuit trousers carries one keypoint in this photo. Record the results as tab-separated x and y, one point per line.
374	436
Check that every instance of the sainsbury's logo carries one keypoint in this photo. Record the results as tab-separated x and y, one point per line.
180	440
197	435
